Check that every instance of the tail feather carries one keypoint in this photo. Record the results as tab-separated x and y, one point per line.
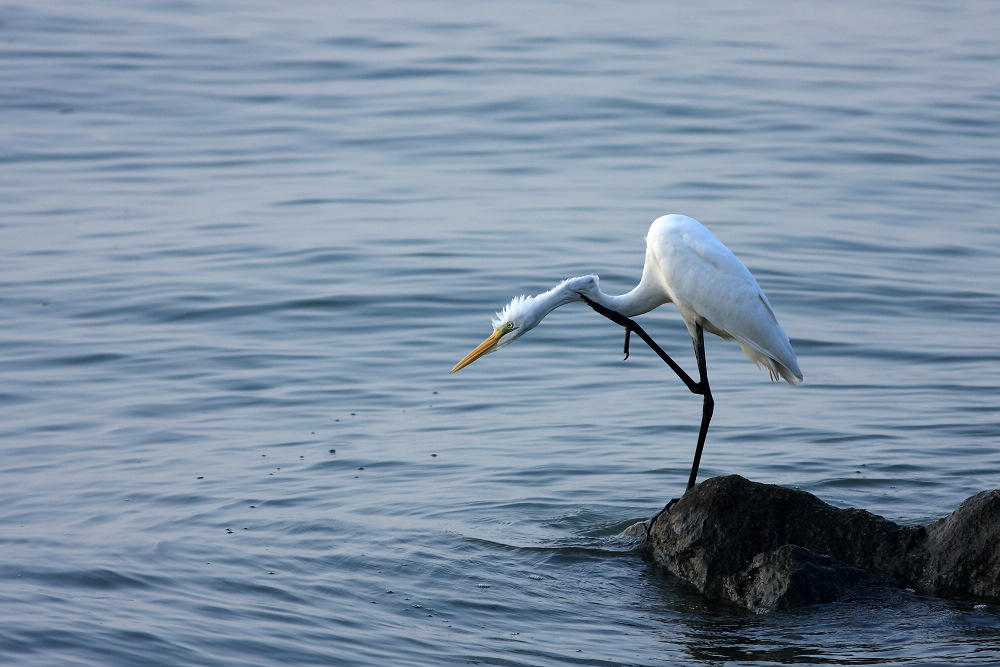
776	369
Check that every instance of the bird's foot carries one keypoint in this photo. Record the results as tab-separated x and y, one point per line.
666	508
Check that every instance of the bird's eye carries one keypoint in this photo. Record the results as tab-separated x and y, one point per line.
510	326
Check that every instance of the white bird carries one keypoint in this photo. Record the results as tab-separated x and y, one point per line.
710	287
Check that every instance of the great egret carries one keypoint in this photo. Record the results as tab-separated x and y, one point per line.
687	266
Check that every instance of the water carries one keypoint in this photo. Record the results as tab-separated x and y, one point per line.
242	245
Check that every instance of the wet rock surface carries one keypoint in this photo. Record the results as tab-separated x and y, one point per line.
764	546
963	551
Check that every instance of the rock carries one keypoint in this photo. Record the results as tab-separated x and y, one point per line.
963	550
789	576
764	546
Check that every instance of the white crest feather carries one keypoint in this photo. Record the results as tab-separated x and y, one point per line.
505	315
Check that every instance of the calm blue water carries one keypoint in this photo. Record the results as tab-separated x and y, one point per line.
242	244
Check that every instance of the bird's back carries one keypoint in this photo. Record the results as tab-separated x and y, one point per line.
710	286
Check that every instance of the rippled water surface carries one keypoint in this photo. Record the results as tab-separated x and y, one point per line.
242	244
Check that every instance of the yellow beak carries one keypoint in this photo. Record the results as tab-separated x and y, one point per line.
487	345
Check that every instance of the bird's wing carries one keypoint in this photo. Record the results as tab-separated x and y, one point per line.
711	286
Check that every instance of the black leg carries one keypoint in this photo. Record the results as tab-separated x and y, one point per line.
631	326
701	387
665	510
708	405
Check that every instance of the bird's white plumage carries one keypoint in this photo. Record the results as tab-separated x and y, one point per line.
712	290
687	266
710	286
508	312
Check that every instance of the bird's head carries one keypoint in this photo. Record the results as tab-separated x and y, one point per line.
517	318
524	313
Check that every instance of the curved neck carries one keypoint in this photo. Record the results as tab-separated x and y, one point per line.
646	296
636	302
560	295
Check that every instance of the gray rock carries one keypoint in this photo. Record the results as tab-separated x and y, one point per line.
764	546
963	550
789	576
